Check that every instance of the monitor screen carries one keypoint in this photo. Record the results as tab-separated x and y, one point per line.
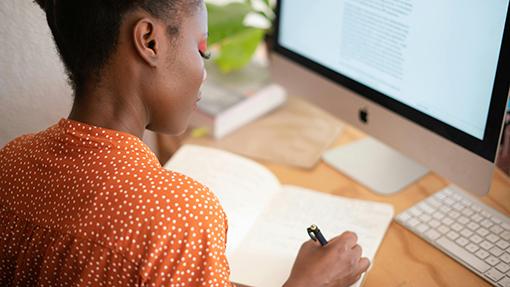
437	57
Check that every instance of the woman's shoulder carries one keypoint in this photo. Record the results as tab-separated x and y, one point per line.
170	194
159	209
18	142
180	186
29	141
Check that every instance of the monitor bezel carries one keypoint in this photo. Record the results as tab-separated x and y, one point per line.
486	148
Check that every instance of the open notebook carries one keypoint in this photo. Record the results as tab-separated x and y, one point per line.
268	221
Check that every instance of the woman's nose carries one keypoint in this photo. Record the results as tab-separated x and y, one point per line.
205	76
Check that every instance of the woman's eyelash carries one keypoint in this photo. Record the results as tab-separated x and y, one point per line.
206	55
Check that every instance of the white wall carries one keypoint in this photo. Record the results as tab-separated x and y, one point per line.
34	93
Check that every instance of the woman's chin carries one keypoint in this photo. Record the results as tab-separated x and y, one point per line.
170	130
182	128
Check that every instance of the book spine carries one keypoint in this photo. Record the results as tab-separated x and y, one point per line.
252	108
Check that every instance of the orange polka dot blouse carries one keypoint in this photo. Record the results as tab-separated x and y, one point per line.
86	206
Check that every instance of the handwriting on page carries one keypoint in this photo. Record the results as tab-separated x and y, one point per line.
281	229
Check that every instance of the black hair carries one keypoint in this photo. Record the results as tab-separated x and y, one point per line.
86	31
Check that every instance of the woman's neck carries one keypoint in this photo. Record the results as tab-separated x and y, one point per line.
117	108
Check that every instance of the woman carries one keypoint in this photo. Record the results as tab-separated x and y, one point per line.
85	202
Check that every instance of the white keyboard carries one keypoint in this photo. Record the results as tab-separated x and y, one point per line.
469	231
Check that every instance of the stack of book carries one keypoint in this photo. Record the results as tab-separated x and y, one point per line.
230	101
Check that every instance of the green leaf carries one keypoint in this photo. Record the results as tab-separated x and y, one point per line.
237	50
226	20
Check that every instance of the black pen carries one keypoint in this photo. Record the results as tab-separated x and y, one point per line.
316	234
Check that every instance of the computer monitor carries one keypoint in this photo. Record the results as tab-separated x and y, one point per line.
428	78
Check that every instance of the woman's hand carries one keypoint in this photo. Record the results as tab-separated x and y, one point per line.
337	264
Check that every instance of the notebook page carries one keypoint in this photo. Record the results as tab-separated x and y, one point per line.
243	187
272	245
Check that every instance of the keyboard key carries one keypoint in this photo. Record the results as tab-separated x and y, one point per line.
492	260
496	220
433	202
440	196
476	239
466	202
476	208
415	211
482	254
447	191
496	251
473	226
443	229
458	206
472	248
486	223
445	209
453	214
505	282
462	241
432	234
486	245
476	217
463	220
438	215
452	235
426	208
506	235
492	238
466	233
496	229
425	217
448	201
485	213
404	217
505	257
482	231
506	226
457	227
412	222
459	252
447	221
502	244
503	267
467	211
422	227
494	274
434	223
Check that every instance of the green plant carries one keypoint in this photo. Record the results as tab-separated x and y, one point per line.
232	39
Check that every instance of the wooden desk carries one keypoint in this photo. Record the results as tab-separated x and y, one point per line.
403	259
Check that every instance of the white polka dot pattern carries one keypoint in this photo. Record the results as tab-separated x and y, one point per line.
87	206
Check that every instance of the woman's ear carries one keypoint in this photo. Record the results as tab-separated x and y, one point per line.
147	41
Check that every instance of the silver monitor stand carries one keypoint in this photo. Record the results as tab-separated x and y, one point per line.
375	165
